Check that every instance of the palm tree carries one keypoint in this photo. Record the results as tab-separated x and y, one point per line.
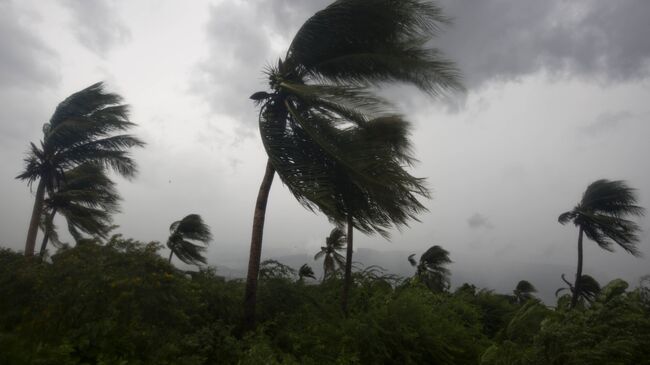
589	289
600	216
431	268
320	98
524	291
182	238
87	198
305	272
334	243
82	129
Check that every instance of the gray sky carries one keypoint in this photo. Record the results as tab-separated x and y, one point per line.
557	97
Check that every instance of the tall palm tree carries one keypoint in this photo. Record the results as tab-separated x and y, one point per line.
188	239
82	129
524	291
334	243
87	198
601	216
431	268
320	98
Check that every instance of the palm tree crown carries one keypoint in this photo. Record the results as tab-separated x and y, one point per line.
431	268
524	291
183	235
333	260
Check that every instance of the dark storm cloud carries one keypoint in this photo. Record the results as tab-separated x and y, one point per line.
501	40
97	25
478	220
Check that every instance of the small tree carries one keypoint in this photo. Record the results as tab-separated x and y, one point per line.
182	238
524	291
431	268
332	259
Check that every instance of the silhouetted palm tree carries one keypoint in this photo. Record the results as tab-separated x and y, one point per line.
524	291
319	101
431	268
82	129
334	243
87	198
305	272
182	238
589	289
600	216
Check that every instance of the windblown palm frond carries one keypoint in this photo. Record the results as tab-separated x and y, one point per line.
184	235
589	288
306	272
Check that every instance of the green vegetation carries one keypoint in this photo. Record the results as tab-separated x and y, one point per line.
122	303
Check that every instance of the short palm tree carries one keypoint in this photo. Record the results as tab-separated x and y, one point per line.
431	268
87	198
589	288
601	216
305	272
524	291
82	129
332	259
188	239
319	100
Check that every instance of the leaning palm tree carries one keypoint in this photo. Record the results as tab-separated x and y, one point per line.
524	291
319	97
332	259
87	198
82	129
601	216
188	239
431	268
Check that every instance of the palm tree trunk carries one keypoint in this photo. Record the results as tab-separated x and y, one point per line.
250	295
46	235
576	285
348	268
171	253
32	231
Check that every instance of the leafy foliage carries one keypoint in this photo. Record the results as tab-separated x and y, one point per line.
431	268
332	259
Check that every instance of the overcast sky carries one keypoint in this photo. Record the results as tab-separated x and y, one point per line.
557	97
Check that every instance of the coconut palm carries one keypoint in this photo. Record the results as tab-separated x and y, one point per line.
589	288
82	129
524	291
188	239
87	198
332	259
601	216
319	99
431	268
305	272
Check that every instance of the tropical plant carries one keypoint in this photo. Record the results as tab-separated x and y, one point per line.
305	272
589	289
330	139
273	269
82	129
601	216
188	239
333	260
524	291
431	268
86	198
